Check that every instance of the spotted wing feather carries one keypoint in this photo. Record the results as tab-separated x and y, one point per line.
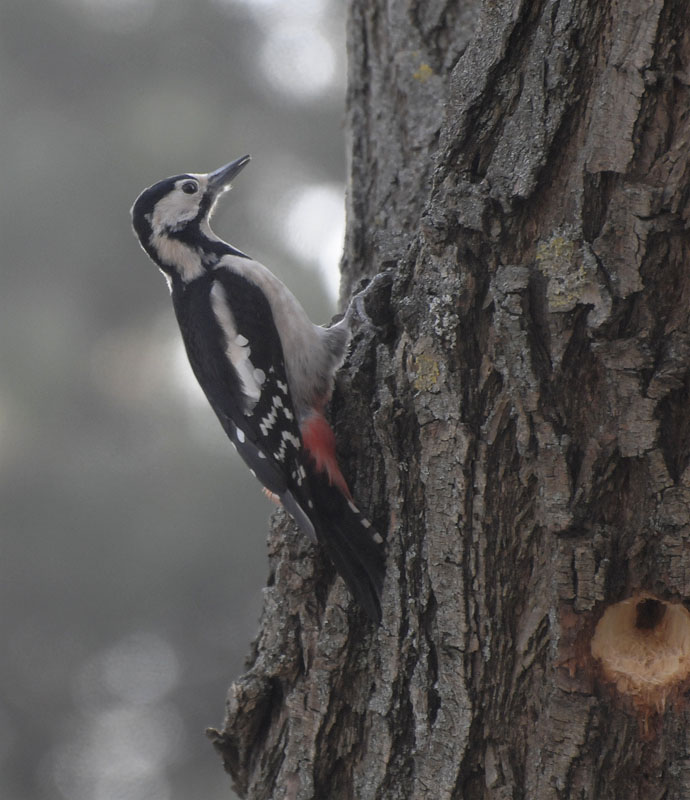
260	422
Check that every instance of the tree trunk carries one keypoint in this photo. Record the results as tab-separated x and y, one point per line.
519	428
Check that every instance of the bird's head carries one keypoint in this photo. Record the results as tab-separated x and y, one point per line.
171	218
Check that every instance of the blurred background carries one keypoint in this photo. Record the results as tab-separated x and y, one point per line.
133	540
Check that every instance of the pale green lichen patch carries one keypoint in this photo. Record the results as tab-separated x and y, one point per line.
573	278
558	259
423	73
426	372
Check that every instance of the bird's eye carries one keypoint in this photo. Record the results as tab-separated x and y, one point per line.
189	187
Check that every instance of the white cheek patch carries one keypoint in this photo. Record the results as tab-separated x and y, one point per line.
173	210
237	348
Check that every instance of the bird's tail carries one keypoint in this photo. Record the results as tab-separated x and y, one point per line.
356	549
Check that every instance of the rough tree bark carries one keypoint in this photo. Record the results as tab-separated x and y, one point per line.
519	430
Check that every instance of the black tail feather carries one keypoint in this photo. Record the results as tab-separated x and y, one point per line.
356	549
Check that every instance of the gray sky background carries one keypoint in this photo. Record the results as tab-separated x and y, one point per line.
124	511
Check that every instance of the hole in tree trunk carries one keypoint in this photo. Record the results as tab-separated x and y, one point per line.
643	645
650	612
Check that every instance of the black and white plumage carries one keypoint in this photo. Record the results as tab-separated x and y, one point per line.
265	368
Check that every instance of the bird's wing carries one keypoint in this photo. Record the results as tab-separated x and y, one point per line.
237	357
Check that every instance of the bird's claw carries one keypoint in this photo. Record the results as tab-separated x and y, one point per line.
356	307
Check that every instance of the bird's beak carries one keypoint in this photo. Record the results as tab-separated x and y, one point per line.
220	179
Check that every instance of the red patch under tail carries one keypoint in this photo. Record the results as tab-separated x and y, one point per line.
319	441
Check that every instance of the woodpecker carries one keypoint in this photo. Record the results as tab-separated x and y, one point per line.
265	368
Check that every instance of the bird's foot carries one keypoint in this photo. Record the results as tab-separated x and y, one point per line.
356	311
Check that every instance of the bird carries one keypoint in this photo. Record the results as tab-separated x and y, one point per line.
267	371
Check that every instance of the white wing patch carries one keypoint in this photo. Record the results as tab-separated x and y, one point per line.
237	348
312	355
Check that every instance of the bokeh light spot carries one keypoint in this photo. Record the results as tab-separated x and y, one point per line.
314	228
298	59
141	668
